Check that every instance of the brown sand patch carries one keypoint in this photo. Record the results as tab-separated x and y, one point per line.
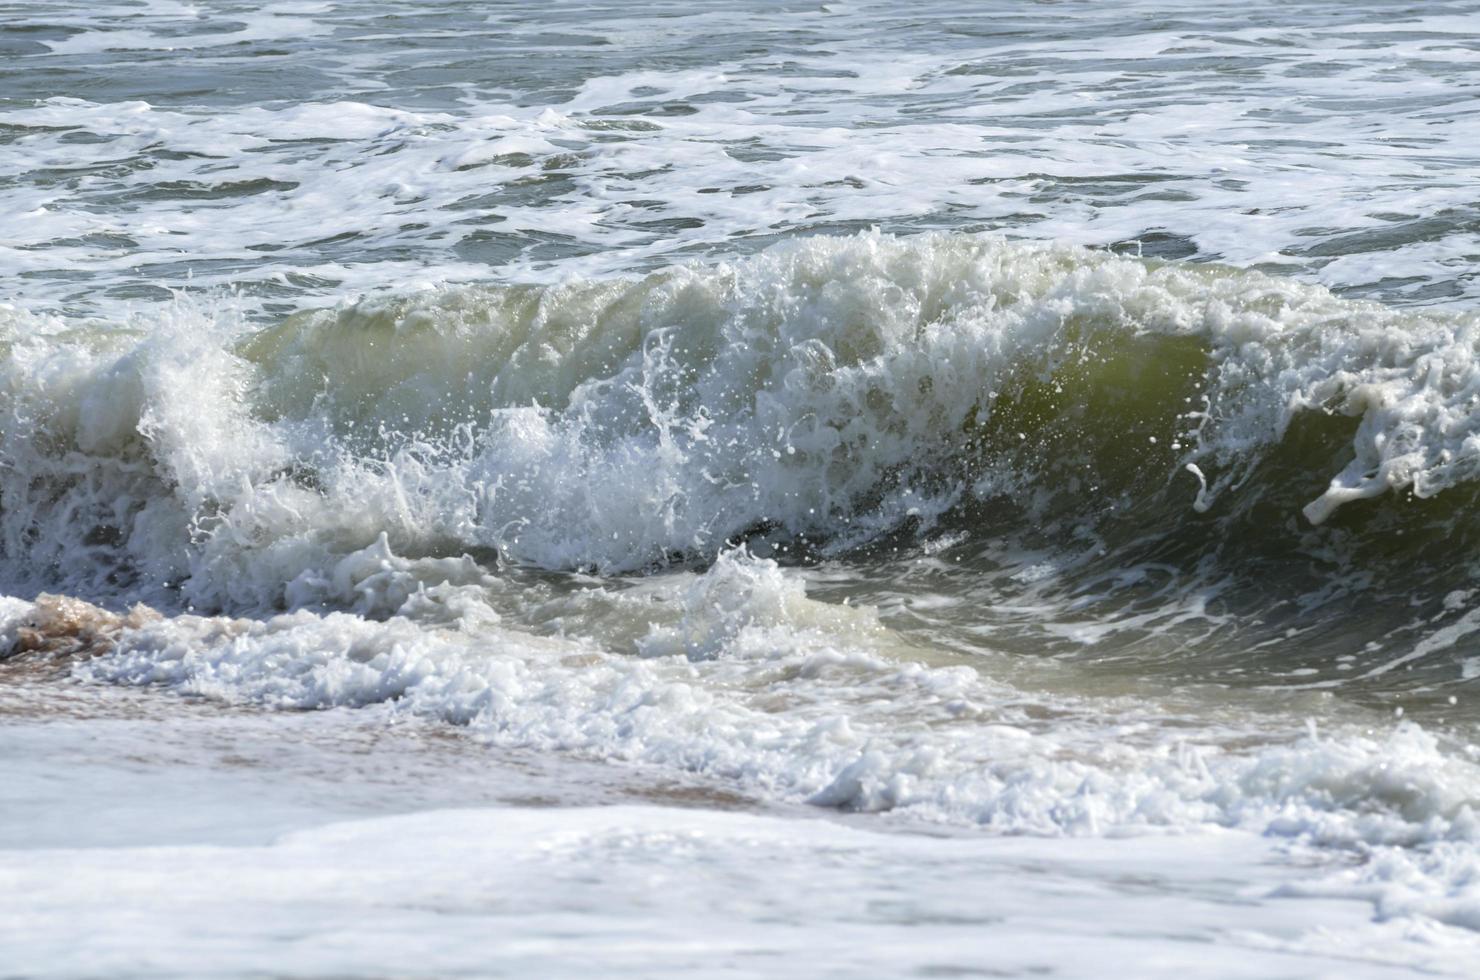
60	629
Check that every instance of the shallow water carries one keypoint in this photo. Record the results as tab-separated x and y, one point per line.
1052	421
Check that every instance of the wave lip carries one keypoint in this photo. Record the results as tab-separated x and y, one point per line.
833	389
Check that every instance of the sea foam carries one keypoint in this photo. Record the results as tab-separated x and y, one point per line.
834	389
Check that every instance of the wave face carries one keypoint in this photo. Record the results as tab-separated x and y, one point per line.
1158	446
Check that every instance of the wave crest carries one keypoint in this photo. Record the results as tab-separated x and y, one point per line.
829	392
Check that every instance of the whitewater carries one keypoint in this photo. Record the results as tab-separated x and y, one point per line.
739	490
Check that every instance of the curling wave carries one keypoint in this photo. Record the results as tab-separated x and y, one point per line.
820	398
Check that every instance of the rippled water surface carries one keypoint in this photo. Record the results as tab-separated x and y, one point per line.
300	150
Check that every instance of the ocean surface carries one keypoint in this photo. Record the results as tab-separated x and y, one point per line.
747	489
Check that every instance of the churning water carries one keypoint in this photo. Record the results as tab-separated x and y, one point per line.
1055	419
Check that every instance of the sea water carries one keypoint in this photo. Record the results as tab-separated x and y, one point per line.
933	489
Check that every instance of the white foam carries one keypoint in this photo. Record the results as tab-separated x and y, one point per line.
644	891
1274	142
822	387
755	684
752	686
319	483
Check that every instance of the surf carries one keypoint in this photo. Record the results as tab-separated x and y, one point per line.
835	390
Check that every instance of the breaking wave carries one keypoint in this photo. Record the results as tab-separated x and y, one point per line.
824	396
1216	477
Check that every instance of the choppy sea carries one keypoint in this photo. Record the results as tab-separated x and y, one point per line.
746	489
